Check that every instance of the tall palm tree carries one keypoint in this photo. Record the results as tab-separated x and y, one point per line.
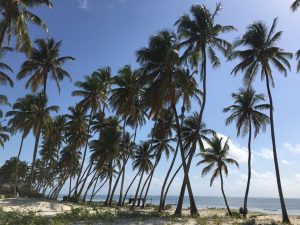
261	52
142	161
200	37
126	101
44	62
21	120
106	150
3	101
15	21
40	114
295	5
163	77
216	156
247	112
94	98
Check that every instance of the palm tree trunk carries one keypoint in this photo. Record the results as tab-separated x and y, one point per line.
114	188
137	191
193	209
285	217
89	186
17	165
143	188
122	182
169	185
109	187
84	182
161	205
245	211
84	153
124	199
95	192
223	193
36	144
148	187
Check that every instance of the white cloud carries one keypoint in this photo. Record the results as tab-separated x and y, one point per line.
292	148
265	153
298	177
286	162
83	4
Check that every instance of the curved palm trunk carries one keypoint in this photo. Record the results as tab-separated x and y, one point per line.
161	201
84	155
249	170
36	144
137	191
124	199
17	165
122	183
193	208
285	217
109	189
95	192
171	181
223	193
148	186
114	188
94	178
145	183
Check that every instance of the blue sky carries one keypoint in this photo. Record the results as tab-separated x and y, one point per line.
108	32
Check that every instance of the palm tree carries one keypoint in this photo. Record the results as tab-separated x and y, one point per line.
142	162
200	37
295	5
192	134
126	101
3	101
21	120
163	76
44	62
247	112
261	52
94	98
106	150
15	21
39	114
216	156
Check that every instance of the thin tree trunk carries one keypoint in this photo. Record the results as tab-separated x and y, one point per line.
114	188
89	186
145	183
122	183
129	187
161	205
84	153
285	217
171	181
109	188
148	187
223	193
36	144
84	182
94	188
17	165
245	210
137	191
94	193
193	208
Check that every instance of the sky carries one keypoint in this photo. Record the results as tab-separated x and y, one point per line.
102	33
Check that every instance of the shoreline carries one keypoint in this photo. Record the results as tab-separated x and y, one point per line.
52	209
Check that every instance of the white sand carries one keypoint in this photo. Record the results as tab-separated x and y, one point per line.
51	208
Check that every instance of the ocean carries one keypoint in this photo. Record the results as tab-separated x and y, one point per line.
268	205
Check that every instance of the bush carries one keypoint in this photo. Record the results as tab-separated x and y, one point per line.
249	222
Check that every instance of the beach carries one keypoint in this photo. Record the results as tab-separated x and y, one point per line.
104	215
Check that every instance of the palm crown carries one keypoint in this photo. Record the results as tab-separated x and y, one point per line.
216	156
261	53
45	60
15	19
247	109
